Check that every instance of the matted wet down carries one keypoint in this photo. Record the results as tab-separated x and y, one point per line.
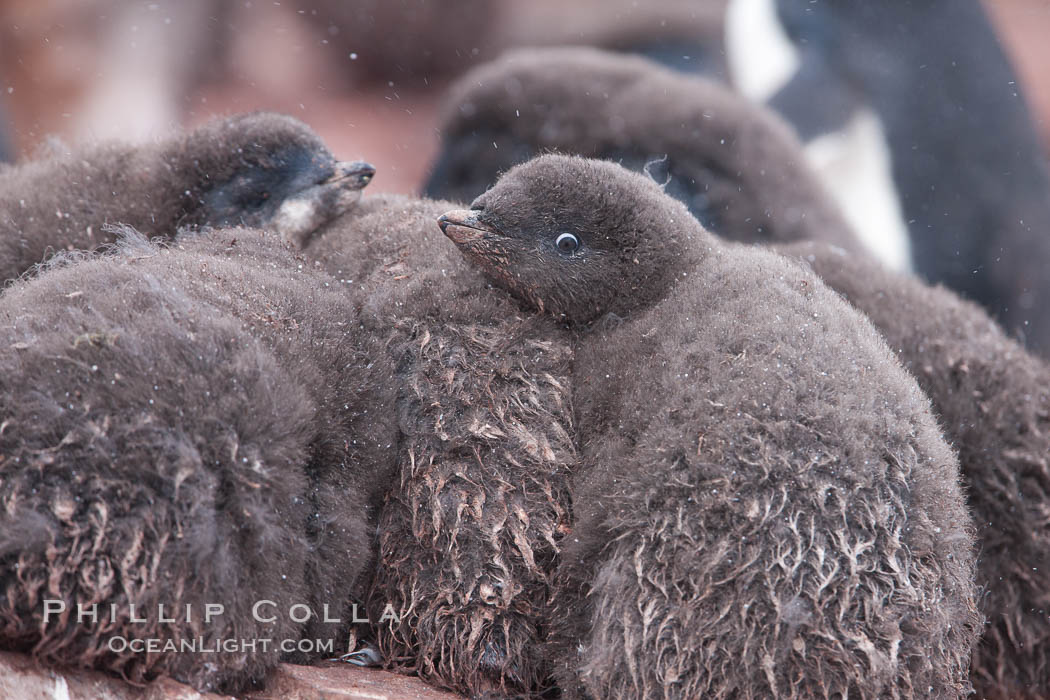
419	349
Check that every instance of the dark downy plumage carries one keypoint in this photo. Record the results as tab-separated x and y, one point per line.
999	437
470	534
765	504
679	34
716	151
194	425
993	399
498	585
263	170
204	424
990	397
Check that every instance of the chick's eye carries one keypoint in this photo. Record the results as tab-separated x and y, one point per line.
567	243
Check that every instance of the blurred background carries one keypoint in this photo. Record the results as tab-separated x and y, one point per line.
368	75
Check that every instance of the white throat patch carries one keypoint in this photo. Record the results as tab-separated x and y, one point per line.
854	164
856	168
760	55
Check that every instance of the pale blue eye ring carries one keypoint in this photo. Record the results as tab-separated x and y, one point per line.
567	243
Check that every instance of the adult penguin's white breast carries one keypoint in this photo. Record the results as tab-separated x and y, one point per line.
760	55
853	162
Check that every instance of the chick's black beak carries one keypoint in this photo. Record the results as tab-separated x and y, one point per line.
356	174
463	227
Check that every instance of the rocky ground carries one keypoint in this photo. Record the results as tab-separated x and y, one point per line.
21	677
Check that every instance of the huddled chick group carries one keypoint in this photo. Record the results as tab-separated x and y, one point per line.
640	418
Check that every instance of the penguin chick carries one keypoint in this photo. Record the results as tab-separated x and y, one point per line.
710	148
470	534
262	170
765	505
993	400
183	428
958	353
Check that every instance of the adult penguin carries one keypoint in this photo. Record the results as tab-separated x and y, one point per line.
916	117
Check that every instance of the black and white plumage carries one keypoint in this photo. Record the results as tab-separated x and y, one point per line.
918	118
786	518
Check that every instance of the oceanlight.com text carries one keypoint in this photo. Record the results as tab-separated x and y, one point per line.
119	645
